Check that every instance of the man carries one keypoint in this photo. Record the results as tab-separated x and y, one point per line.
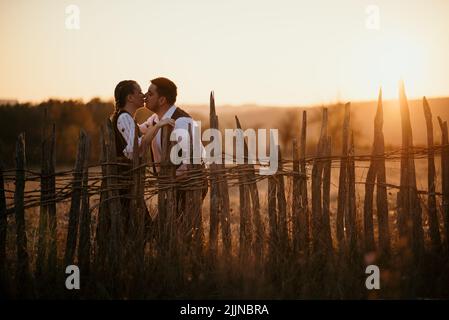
161	99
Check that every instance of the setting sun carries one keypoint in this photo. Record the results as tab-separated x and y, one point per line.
399	58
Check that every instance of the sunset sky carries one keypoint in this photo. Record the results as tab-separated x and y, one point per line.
280	52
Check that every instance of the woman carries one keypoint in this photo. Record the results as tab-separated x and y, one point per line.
128	99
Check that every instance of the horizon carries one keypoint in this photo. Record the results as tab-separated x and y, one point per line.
6	102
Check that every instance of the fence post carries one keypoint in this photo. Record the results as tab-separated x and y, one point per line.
225	215
304	222
296	200
273	222
214	190
224	206
255	203
42	249
23	272
135	237
245	218
113	202
326	195
3	227
85	218
316	200
104	216
52	220
368	223
434	229
381	198
193	211
317	171
351	211
273	216
136	217
368	206
342	185
246	232
173	228
445	176
74	214
282	208
409	207
46	260
162	205
167	198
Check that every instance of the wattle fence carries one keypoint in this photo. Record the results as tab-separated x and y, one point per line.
295	246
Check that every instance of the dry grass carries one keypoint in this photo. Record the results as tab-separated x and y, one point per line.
189	275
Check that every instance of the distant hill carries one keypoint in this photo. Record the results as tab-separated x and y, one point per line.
362	114
70	116
6	102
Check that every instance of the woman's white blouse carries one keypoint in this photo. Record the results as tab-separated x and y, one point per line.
127	127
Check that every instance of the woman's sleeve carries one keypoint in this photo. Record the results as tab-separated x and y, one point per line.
143	127
127	127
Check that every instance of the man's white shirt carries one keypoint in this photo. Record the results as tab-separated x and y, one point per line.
126	126
181	128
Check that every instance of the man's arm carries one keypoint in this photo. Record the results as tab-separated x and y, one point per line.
145	126
151	132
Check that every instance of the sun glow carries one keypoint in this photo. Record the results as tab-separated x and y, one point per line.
396	59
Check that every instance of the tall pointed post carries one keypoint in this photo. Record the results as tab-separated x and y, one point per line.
445	175
257	222
23	267
75	205
342	185
84	246
409	208
214	190
381	196
434	230
304	221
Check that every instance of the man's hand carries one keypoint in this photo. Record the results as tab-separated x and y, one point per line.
165	122
151	133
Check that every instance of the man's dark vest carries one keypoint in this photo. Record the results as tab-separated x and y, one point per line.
179	113
120	142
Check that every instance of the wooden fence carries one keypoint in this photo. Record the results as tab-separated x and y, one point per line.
294	236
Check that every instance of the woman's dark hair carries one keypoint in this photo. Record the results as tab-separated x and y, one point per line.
166	88
121	92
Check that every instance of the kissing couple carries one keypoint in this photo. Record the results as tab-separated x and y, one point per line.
160	98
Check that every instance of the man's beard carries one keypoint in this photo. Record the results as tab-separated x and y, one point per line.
156	108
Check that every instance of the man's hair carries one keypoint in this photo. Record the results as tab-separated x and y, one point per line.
166	88
121	92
